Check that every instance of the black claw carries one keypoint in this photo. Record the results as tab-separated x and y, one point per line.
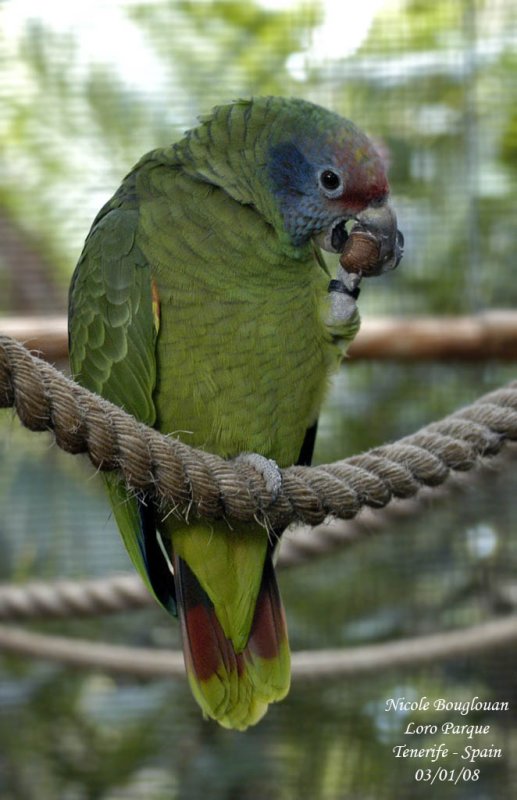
339	286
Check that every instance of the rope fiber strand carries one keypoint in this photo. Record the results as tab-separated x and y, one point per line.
192	482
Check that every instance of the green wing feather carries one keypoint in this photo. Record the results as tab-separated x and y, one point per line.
112	337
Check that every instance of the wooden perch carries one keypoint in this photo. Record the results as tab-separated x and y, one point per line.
45	335
491	334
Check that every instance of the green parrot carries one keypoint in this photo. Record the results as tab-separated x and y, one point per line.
201	305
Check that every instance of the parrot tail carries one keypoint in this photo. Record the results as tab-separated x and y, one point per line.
234	688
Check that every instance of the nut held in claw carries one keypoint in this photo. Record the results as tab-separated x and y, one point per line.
361	252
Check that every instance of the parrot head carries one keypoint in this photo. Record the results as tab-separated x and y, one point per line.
325	173
308	171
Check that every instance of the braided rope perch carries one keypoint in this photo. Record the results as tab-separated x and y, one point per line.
112	594
189	481
145	662
62	599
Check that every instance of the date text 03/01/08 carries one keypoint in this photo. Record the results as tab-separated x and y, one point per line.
442	775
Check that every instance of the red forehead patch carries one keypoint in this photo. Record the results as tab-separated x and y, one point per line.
365	178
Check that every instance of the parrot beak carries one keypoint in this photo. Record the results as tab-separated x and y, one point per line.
373	245
380	223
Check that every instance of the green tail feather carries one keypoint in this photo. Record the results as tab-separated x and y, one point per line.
233	673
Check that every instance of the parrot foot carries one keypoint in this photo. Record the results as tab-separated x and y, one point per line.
343	293
267	469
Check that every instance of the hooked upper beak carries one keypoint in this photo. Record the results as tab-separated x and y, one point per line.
372	246
380	222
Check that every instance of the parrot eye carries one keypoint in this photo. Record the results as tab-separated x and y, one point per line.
330	182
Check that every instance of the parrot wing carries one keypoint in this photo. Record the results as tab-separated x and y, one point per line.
113	326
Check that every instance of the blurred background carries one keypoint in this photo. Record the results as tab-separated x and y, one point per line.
85	89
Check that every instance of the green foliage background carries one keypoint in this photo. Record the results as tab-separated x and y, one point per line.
435	84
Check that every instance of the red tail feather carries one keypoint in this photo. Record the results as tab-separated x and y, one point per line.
234	688
269	627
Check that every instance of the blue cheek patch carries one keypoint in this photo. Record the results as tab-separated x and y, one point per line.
289	170
292	180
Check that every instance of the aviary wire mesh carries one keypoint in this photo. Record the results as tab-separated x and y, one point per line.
85	92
